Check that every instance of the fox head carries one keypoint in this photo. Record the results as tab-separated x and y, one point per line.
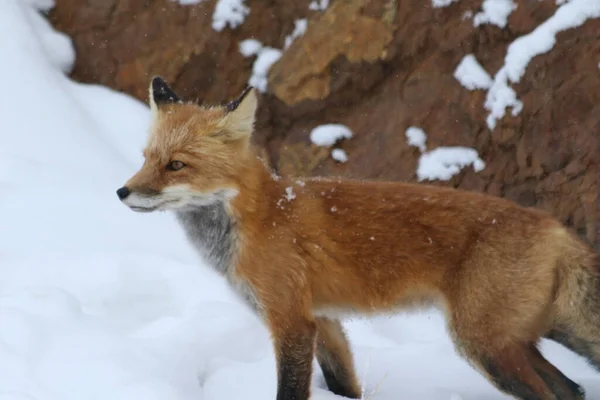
193	153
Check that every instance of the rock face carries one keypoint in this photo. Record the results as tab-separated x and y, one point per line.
378	67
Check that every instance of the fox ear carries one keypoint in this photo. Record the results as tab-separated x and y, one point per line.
160	93
240	114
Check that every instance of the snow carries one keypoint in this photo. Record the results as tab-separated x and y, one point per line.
318	5
229	12
495	12
416	137
188	2
289	193
327	135
299	30
523	49
471	74
339	155
267	56
98	302
41	5
444	162
442	3
250	47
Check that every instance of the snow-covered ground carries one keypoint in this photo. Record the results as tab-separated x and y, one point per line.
98	302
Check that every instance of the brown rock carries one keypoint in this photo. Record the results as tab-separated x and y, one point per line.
303	74
378	67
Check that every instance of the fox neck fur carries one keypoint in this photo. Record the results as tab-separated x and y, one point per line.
212	228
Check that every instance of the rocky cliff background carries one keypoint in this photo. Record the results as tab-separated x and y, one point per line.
378	67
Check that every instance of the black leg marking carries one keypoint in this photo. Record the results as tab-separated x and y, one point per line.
509	384
335	359
295	355
337	377
559	384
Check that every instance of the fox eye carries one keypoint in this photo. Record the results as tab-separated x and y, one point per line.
175	165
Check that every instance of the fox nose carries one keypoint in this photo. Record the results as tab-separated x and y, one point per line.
123	192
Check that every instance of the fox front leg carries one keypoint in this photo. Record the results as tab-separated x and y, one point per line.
294	342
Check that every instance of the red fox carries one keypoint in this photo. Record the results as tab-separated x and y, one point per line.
305	253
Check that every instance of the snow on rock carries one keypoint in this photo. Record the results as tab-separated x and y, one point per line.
442	3
299	30
495	12
523	49
250	47
229	12
471	74
267	56
188	2
327	135
444	162
339	155
416	137
289	193
318	5
501	96
467	15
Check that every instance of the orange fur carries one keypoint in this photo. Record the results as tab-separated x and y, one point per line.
314	250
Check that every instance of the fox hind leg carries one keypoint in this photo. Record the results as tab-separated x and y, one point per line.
335	358
521	371
559	384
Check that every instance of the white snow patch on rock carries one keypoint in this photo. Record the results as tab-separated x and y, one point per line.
267	56
416	137
318	5
250	47
339	155
444	162
229	12
521	51
299	30
494	12
328	134
289	193
188	2
471	74
442	3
